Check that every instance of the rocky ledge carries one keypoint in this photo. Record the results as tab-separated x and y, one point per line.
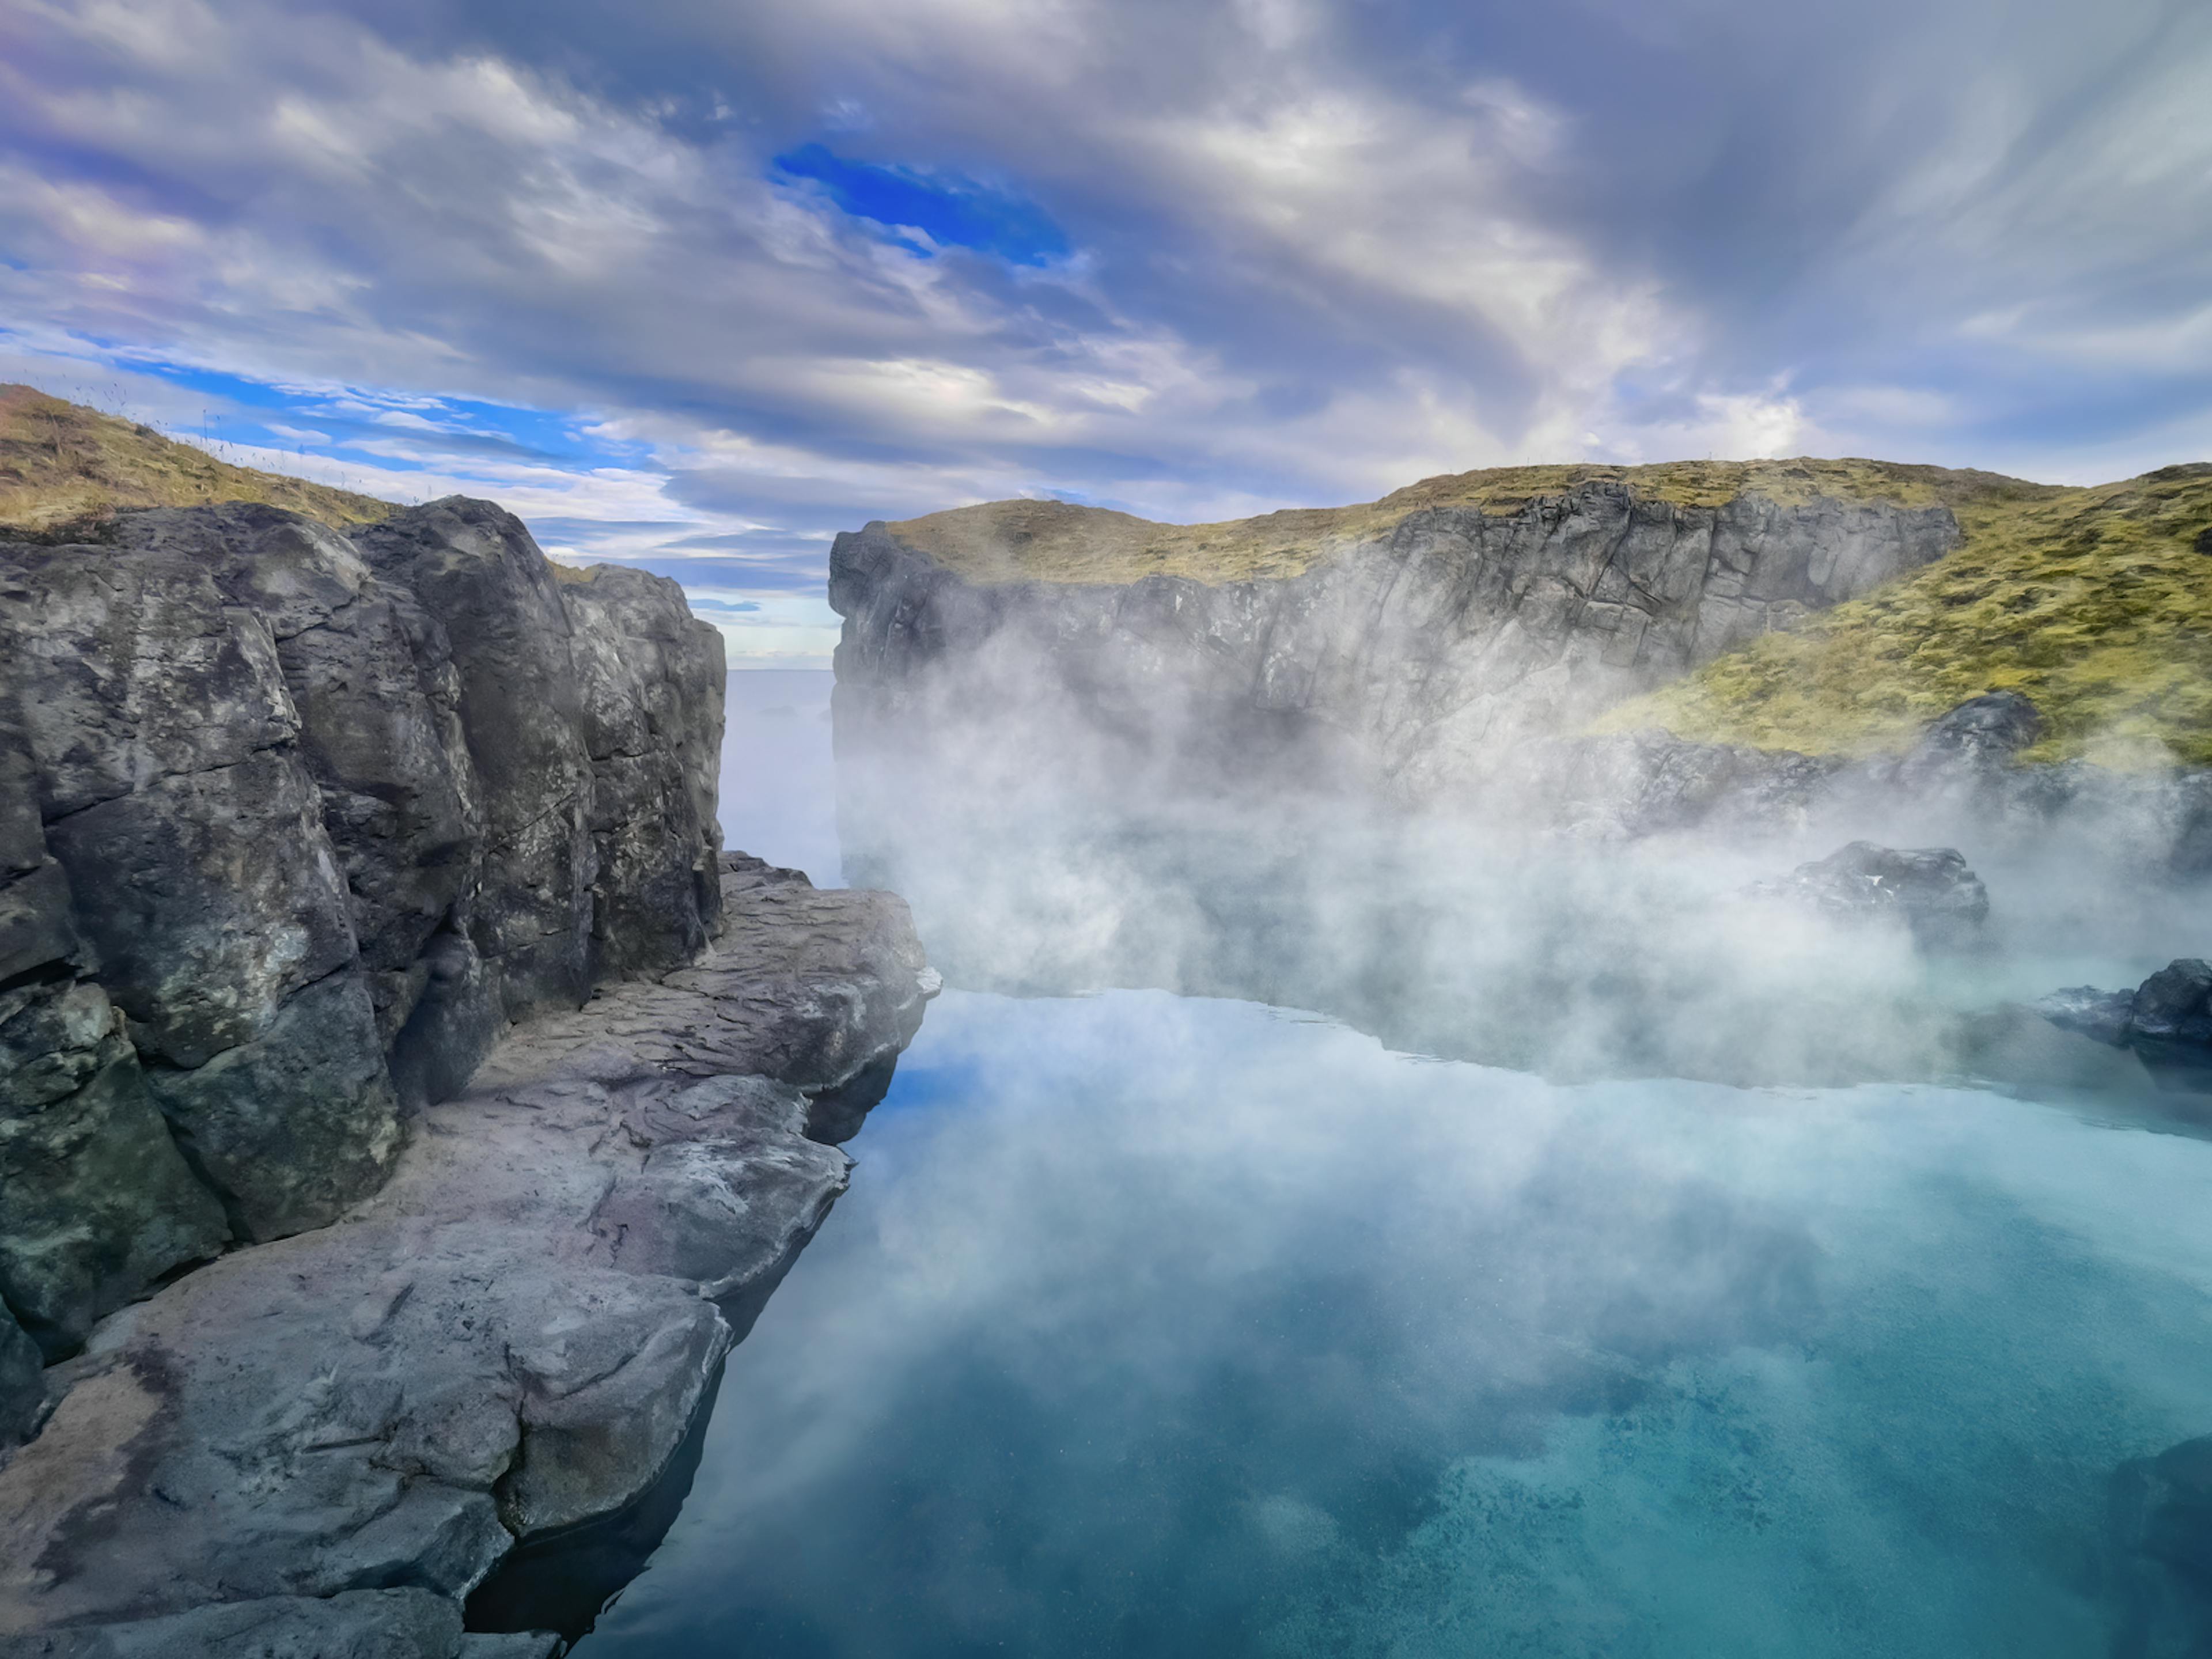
511	1338
404	1102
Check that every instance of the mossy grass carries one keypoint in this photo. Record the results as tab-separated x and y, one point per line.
1052	541
2096	603
65	468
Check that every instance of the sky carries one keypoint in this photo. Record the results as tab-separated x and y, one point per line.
697	284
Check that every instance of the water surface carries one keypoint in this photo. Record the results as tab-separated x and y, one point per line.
1161	1326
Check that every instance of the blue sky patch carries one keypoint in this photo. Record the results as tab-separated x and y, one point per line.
948	209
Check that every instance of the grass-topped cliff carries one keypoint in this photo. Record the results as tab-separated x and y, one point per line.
1059	542
2094	602
63	465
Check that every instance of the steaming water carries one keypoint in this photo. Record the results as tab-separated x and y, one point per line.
1176	1326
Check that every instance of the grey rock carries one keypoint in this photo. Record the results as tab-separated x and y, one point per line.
23	1387
317	816
523	1644
95	1201
291	1128
650	677
2166	1021
475	568
510	1337
1931	889
202	885
2101	1016
1979	735
394	1624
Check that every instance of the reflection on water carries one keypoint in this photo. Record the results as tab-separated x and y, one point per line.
1161	1326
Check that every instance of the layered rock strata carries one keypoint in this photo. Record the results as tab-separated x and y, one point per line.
511	1338
292	825
1411	654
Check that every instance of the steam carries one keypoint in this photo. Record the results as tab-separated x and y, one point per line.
1150	829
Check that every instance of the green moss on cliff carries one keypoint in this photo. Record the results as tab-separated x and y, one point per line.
2097	603
1058	542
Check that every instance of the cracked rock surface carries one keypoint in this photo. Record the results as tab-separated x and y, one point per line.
292	824
511	1337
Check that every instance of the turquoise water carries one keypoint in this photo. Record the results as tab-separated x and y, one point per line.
1171	1326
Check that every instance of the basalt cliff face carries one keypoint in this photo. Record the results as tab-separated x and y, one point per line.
1404	643
295	825
404	1101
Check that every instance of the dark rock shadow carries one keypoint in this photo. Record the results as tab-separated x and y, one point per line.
565	1580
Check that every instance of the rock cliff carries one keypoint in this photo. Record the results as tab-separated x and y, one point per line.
295	825
1406	643
362	902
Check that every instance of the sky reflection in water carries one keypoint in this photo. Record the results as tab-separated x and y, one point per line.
1161	1326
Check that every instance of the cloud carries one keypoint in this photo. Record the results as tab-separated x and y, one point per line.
774	271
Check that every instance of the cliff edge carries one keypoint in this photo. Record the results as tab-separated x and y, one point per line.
404	1101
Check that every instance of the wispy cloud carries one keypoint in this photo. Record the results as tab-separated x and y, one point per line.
765	273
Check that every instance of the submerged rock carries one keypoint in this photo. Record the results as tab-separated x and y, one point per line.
2166	1020
2161	1546
1931	889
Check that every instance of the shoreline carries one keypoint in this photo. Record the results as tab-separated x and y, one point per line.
510	1341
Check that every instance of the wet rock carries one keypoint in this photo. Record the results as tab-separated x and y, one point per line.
1931	889
2101	1016
2166	1020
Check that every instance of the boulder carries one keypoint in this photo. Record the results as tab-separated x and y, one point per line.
1978	738
2166	1020
1930	889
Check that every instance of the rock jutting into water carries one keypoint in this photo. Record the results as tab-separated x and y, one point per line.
2166	1021
365	936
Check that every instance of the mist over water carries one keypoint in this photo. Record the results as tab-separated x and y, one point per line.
1172	1326
1777	1299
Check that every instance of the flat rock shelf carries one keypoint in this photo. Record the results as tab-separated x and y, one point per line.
323	1443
